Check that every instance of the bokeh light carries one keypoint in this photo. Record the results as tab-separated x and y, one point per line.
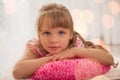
80	22
99	1
86	16
10	6
82	29
108	21
89	16
114	7
77	15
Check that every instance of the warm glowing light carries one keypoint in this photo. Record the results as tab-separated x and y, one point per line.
77	15
10	6
108	21
84	15
80	22
89	16
114	7
82	29
99	1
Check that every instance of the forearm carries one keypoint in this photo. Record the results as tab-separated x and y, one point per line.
102	56
26	68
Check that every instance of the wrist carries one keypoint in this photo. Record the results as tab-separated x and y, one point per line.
74	51
45	60
78	51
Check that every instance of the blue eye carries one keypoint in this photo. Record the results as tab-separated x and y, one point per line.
46	33
61	32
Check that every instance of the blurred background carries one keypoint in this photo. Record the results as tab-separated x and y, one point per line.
95	20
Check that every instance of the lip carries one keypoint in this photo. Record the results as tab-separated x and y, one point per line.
54	47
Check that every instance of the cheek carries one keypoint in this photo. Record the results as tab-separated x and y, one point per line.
65	43
44	42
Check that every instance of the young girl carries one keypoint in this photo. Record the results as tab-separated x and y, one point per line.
57	40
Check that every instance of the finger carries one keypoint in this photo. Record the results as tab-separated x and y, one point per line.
61	58
55	58
49	58
47	55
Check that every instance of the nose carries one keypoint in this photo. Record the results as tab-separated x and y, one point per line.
54	39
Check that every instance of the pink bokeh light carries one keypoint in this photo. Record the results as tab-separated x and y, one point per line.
114	7
81	20
89	16
10	6
108	20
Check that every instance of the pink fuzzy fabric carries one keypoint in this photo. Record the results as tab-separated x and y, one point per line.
77	69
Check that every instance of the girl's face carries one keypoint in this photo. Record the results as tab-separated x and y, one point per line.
54	40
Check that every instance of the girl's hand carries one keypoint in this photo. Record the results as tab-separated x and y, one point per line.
66	54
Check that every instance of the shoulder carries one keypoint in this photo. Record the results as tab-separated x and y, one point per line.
32	43
34	46
79	42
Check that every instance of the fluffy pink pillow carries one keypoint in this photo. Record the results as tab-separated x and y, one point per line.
77	69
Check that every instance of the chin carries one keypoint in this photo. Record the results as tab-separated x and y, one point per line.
54	52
